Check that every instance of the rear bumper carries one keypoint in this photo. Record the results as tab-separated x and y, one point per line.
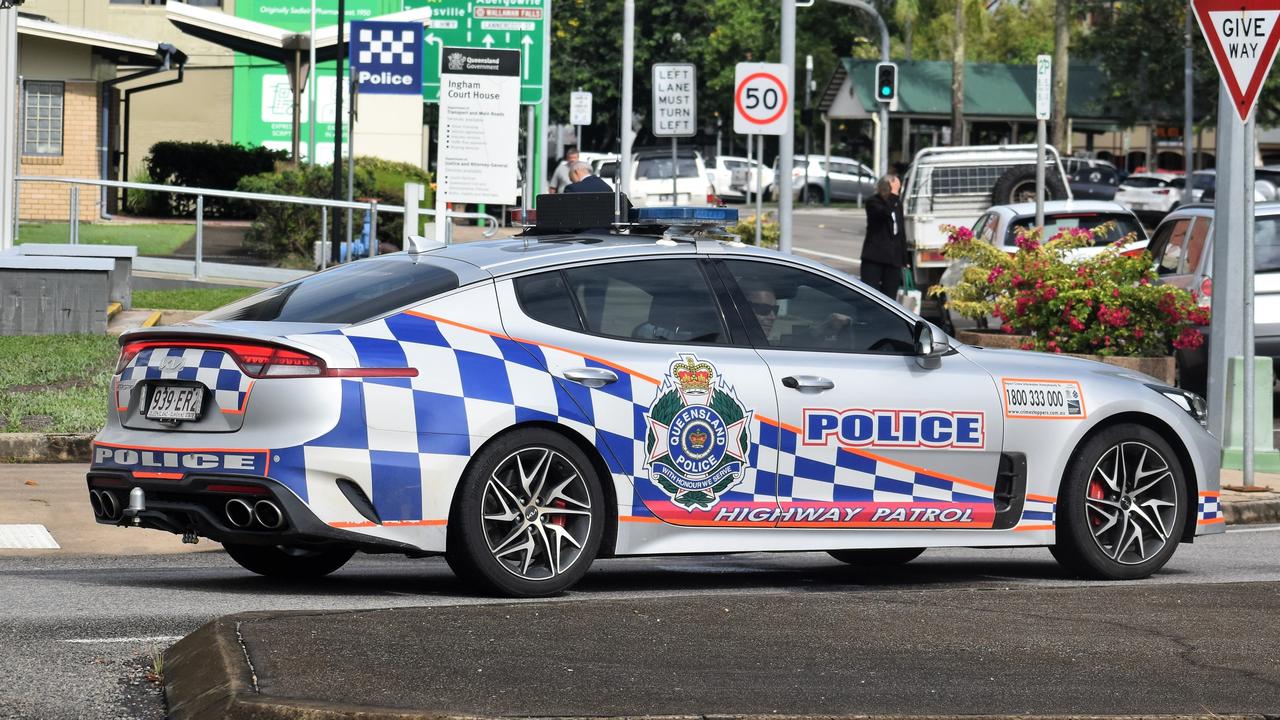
195	503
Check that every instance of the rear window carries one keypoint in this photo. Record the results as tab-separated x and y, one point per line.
1203	181
348	294
1145	182
1054	224
658	167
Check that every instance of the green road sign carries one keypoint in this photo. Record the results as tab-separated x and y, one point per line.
506	24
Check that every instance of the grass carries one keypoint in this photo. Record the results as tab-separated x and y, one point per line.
155	239
55	383
189	298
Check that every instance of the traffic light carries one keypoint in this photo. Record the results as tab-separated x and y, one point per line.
886	82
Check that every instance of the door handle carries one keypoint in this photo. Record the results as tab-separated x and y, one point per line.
591	377
807	383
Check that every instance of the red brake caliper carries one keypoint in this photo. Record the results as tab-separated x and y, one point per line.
1097	492
558	518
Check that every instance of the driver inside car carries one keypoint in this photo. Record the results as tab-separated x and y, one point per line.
764	305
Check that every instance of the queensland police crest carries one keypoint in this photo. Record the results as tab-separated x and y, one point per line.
698	435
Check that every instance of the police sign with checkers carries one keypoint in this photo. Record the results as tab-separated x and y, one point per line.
761	99
387	57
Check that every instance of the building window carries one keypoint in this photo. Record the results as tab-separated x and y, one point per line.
42	125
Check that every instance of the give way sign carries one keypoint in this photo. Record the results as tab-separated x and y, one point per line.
761	99
1242	38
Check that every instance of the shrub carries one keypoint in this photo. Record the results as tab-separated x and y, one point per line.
1108	304
770	232
219	166
285	233
145	202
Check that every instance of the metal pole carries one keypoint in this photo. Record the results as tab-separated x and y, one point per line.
73	216
335	248
1040	140
351	157
529	143
199	264
826	180
8	133
675	174
808	80
628	67
787	141
759	193
311	89
1188	152
751	166
324	237
1250	413
1225	329
373	228
17	155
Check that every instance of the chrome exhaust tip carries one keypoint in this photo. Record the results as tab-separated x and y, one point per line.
268	514
95	501
110	505
239	513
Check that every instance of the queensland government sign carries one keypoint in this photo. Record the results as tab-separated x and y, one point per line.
522	25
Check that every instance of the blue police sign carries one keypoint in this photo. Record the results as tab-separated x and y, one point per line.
387	57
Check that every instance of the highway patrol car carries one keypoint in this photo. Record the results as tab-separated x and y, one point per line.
525	406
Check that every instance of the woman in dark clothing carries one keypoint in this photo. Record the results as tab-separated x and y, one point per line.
884	252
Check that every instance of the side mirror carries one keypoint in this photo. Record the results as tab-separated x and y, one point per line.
929	349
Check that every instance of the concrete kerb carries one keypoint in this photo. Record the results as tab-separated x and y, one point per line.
45	448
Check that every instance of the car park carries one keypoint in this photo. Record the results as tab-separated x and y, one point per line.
847	181
1151	193
733	177
1182	246
526	405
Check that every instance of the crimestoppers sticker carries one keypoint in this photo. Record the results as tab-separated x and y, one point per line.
1045	399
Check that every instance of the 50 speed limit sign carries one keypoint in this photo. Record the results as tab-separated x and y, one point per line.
761	99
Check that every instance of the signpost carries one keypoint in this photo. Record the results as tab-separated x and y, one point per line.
579	112
761	106
1242	39
675	110
479	129
1044	84
490	24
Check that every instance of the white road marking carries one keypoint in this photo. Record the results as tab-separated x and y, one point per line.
26	537
98	641
828	256
1269	528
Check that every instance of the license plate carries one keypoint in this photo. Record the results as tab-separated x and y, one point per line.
173	402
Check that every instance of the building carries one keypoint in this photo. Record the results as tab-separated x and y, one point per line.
70	118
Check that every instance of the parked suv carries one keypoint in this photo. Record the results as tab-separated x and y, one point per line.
850	180
1182	246
651	177
733	176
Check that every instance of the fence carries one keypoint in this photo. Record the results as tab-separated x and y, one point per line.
372	207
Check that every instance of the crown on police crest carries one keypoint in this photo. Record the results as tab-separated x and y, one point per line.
693	375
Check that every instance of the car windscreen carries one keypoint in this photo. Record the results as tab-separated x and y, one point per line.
1203	181
1054	224
347	294
1144	182
1266	243
658	168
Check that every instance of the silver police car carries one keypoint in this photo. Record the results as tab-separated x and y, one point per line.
525	406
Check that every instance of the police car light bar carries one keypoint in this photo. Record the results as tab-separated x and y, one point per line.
684	216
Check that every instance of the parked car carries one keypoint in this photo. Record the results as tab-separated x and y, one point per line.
1182	246
1091	179
956	185
1151	193
849	179
733	176
1266	186
651	177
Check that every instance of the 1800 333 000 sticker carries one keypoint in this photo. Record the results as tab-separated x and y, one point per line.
1045	399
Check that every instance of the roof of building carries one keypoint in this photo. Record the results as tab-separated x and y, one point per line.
990	89
119	48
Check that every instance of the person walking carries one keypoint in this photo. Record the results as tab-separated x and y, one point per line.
884	251
560	178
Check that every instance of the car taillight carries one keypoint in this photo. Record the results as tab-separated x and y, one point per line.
265	361
1206	292
930	256
1163	191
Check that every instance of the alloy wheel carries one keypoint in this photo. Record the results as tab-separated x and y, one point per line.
536	513
1131	500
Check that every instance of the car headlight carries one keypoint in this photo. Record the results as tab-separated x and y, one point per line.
1189	401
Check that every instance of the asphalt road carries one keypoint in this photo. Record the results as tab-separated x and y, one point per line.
831	235
77	632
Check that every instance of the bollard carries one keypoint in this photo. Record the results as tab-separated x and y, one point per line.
1266	458
324	236
73	217
373	229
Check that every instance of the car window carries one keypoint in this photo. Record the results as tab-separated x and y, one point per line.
1124	224
347	294
794	309
1266	243
1203	181
656	168
985	230
608	171
1167	247
1178	183
666	300
545	297
1196	243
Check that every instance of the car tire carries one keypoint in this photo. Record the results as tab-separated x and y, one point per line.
1018	184
529	516
811	194
1122	506
292	563
880	557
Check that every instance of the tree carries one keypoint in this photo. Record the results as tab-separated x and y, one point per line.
1061	62
957	77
